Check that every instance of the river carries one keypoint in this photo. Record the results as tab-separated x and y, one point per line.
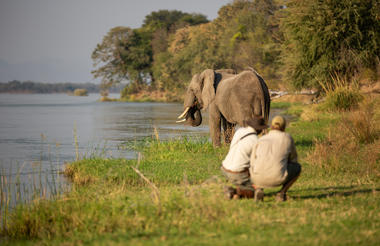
39	132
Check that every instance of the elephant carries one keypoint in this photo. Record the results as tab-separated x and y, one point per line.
230	99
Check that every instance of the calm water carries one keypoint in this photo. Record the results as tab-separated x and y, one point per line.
37	132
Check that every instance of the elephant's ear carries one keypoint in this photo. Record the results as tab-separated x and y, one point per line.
208	90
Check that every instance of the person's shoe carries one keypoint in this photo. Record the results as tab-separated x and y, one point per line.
245	193
281	197
229	192
259	195
236	197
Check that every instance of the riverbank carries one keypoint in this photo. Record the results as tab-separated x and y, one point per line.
154	96
173	195
306	97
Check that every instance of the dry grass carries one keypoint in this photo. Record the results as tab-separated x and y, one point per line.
363	123
341	95
310	113
153	96
352	144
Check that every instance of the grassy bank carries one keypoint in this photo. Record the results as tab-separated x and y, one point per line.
173	195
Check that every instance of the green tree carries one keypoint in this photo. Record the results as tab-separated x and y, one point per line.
127	54
325	38
171	20
162	24
124	54
191	50
251	37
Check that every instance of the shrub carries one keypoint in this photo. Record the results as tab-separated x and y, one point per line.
80	92
129	89
341	95
325	37
343	98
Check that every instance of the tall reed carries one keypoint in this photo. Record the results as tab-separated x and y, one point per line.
21	185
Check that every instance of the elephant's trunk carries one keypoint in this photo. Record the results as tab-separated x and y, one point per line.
191	115
192	109
194	117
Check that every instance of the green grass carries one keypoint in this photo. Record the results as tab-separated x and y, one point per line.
280	105
110	204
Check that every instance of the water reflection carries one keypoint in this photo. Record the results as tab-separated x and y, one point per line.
122	122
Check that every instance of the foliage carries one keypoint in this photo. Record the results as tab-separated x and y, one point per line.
340	95
190	52
302	43
127	54
255	36
80	92
164	22
342	98
123	54
242	36
322	38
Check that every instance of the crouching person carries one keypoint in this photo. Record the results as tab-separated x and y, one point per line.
274	161
236	164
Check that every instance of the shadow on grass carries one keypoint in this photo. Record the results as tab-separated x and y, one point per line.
342	191
325	192
304	143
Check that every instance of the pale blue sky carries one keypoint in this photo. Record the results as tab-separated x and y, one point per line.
52	40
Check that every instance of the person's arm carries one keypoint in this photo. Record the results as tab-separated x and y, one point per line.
293	156
253	154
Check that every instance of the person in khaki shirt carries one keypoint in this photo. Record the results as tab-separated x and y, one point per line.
274	161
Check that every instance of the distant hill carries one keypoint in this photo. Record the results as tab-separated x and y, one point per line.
16	86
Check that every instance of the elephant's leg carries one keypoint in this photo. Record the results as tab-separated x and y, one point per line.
214	124
227	130
230	132
224	124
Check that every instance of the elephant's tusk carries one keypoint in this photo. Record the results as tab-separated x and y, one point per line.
184	113
179	121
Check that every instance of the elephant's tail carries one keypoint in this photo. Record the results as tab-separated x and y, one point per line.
266	100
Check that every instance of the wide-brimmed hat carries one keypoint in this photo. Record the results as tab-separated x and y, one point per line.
279	121
257	123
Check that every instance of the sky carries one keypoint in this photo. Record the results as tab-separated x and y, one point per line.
52	40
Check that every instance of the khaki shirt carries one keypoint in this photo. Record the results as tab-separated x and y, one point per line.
238	157
270	157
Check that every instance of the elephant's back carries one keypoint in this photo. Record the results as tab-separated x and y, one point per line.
236	96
